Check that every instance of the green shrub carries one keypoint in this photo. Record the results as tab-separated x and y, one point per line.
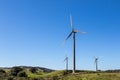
22	74
33	69
2	71
15	71
10	78
35	79
55	78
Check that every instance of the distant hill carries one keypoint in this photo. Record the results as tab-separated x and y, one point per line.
28	67
116	70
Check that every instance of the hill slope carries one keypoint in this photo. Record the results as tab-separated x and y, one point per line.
48	74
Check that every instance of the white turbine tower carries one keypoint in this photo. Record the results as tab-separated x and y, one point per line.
73	32
96	63
66	59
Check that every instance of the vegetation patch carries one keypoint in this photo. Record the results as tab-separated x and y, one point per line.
34	73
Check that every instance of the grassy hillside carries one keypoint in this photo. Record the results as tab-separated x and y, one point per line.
93	76
38	74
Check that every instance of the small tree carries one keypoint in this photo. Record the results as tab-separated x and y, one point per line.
2	74
33	69
10	78
22	74
15	71
2	71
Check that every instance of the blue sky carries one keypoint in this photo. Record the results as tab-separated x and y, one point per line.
32	33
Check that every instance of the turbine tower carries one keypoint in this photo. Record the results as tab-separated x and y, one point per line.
66	59
96	63
73	32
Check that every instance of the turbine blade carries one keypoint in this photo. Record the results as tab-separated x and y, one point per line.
95	61
82	32
71	25
69	35
65	59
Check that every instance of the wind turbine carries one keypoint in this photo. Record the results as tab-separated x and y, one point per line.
73	32
66	59
96	63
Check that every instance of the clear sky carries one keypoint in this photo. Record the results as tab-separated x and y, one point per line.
32	33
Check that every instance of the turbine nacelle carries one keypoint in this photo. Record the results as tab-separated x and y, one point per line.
75	31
